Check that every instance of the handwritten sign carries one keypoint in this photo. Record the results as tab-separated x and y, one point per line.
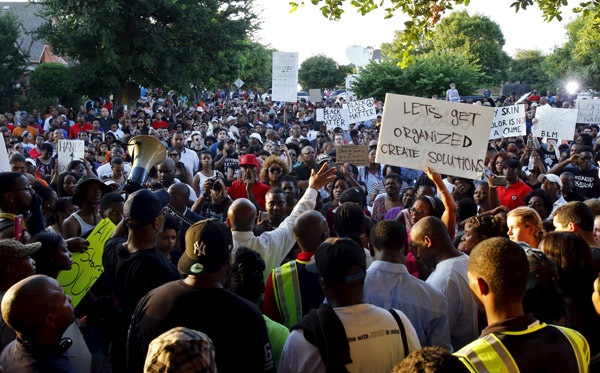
508	121
314	95
4	164
555	123
523	97
69	150
449	137
588	111
87	266
285	77
361	110
334	117
357	155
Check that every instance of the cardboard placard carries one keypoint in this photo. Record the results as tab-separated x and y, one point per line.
555	123
508	121
334	117
588	111
314	95
87	266
361	110
357	155
285	77
4	164
69	150
449	137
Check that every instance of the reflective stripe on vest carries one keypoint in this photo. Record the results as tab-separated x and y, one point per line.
287	293
488	354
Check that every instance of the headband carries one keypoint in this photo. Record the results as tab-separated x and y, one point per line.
431	200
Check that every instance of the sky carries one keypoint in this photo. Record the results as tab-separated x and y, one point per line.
309	33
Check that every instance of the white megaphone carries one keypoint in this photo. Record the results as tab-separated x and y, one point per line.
146	152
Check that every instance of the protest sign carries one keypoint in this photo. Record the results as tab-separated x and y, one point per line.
359	111
314	95
357	155
285	77
334	117
449	137
87	266
69	150
523	97
588	111
554	123
4	164
508	121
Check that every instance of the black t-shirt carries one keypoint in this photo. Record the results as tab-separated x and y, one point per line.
235	325
302	172
585	182
549	159
232	161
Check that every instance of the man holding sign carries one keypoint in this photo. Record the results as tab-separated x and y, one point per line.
449	137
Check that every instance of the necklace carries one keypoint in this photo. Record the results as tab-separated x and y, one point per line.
179	215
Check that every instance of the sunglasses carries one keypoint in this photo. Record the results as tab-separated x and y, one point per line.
174	155
275	170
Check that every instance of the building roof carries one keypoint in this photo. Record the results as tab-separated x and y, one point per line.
27	12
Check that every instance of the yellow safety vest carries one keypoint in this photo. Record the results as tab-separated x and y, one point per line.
488	354
286	288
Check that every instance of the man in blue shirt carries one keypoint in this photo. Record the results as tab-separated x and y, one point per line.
389	285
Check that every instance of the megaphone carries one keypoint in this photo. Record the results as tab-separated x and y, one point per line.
146	152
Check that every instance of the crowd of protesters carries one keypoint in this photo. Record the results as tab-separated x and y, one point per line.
252	247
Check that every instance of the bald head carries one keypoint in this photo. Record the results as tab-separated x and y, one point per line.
168	163
241	215
431	227
32	306
310	230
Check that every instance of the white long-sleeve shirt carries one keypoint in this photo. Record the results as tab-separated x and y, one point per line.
274	245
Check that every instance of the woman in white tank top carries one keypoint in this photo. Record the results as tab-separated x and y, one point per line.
207	172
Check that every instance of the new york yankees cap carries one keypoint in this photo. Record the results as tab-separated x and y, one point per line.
208	245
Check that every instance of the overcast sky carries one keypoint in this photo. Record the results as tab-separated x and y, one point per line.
309	33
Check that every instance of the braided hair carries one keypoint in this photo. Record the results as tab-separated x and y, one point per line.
246	276
348	221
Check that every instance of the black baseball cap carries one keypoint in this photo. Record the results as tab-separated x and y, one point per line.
144	206
334	259
208	245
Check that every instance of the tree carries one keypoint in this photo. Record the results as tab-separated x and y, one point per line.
161	43
424	15
54	81
320	72
528	67
13	58
430	74
257	67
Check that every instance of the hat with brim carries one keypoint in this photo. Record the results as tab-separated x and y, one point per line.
143	207
12	250
208	245
81	184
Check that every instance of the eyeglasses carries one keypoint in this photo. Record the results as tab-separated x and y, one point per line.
28	187
275	170
418	212
308	153
174	155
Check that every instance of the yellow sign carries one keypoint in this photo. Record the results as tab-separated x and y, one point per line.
87	266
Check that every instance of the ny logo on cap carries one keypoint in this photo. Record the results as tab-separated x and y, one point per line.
199	248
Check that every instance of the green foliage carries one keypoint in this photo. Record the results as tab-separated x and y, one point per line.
13	58
159	43
430	74
321	72
55	81
36	102
527	67
424	15
257	67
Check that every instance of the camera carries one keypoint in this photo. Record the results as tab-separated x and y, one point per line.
216	185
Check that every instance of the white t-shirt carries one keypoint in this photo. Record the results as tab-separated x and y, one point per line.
450	278
374	339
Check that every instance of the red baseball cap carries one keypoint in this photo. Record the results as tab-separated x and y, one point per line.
249	159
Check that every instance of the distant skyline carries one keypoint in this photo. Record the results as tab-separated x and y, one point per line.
309	33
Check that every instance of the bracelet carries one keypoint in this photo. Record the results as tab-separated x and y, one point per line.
443	191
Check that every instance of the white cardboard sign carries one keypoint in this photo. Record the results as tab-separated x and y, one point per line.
334	117
314	95
69	150
508	121
588	111
449	137
361	110
4	164
555	123
285	77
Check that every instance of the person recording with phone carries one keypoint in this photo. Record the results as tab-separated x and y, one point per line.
508	190
214	201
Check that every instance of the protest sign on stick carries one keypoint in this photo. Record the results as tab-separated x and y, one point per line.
285	77
69	150
87	266
334	117
4	164
555	123
588	111
314	95
449	137
359	111
508	121
357	155
523	97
